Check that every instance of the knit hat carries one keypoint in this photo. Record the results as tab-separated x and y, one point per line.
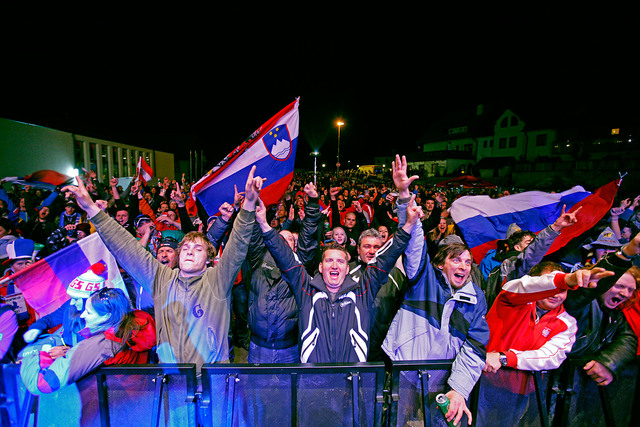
169	242
451	238
606	238
91	280
512	229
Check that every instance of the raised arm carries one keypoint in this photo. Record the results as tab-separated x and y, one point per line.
513	268
292	270
414	251
235	251
307	241
135	259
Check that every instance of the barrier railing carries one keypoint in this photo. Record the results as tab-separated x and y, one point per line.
364	394
306	394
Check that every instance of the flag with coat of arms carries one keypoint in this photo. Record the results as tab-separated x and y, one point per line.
271	148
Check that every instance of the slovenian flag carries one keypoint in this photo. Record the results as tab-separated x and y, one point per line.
44	283
483	220
47	179
272	148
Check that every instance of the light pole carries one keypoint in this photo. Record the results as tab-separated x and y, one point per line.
315	155
340	123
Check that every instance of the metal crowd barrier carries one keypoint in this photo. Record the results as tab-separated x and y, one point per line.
363	394
295	394
124	395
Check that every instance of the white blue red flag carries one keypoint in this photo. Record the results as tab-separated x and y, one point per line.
271	148
483	220
44	283
47	179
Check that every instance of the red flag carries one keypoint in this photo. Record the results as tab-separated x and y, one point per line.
143	171
594	207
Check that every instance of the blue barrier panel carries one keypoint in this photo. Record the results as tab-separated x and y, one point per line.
142	395
580	401
413	388
295	394
318	394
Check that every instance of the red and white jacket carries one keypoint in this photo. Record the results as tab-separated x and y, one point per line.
515	330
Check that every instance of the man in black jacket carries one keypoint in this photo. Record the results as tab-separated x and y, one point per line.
273	312
604	335
333	309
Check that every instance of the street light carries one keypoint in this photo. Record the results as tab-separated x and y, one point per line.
315	155
340	124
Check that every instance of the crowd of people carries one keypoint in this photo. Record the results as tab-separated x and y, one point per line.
345	269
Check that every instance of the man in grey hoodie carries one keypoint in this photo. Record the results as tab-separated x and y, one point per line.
191	302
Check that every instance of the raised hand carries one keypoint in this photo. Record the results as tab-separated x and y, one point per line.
252	190
226	211
238	197
261	216
334	191
400	178
311	190
565	219
414	213
83	198
586	278
616	212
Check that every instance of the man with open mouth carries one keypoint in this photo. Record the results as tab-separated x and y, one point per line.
604	335
333	309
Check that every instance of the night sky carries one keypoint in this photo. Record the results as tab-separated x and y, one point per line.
185	80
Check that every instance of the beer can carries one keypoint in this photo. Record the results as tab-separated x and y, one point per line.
443	403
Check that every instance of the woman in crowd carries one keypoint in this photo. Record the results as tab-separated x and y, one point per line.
116	335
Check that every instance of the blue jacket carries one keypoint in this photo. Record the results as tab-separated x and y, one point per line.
62	316
435	323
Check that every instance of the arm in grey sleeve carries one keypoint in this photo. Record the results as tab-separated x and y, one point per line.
135	259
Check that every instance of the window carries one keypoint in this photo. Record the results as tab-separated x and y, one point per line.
78	154
513	142
115	162
504	123
93	158
105	163
514	121
541	140
503	143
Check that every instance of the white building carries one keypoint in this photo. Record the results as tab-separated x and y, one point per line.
26	148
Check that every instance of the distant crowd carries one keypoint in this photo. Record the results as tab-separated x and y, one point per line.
343	269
